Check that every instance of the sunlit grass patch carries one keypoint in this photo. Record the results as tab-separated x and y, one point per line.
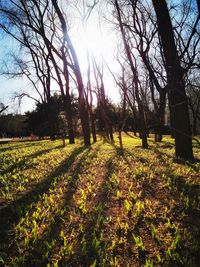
95	206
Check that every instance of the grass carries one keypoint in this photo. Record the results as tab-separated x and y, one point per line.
94	206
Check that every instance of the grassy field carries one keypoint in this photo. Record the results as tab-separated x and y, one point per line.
92	206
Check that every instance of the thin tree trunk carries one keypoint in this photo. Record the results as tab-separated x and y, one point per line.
161	115
89	94
93	129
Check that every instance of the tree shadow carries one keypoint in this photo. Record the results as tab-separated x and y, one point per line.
19	145
132	136
123	153
14	211
189	193
36	257
161	156
94	223
22	162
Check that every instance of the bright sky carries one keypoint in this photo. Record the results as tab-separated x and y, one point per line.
97	36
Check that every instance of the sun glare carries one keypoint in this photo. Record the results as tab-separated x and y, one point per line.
98	41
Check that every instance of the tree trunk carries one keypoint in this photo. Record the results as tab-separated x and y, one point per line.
111	133
63	139
120	142
194	125
161	116
84	122
93	129
177	93
143	128
69	116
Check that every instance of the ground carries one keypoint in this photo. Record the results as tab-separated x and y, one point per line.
94	206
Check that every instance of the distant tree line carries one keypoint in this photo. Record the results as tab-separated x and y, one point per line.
48	120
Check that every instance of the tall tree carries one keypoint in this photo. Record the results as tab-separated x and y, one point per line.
82	103
102	99
32	25
176	83
136	82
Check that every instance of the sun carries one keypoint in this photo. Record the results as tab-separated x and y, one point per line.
97	40
93	39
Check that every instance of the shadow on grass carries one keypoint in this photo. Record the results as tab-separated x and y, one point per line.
161	156
94	224
132	135
22	162
21	144
38	250
186	193
124	152
189	193
13	212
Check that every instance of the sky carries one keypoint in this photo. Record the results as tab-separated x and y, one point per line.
9	86
97	35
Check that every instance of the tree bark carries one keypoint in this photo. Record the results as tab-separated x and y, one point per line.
176	83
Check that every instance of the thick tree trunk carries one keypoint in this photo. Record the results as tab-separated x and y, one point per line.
177	94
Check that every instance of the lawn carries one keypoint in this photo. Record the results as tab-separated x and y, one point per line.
94	206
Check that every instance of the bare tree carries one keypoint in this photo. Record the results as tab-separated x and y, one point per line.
102	99
34	26
193	91
89	99
76	68
136	82
123	86
176	83
2	108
